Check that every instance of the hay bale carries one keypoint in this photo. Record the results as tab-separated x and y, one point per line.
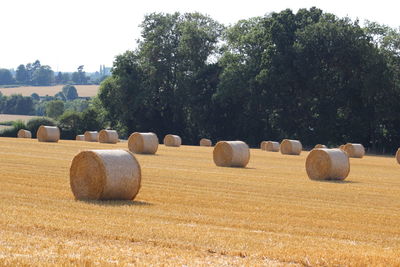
143	143
24	134
80	137
205	142
48	134
320	146
327	164
354	150
342	147
105	175
91	136
231	154
291	147
262	145
398	156
172	140
272	146
108	136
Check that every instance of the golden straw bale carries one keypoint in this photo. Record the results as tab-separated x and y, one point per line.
262	145
272	146
172	140
48	134
342	147
105	175
108	136
320	146
398	155
205	142
80	137
231	154
354	150
291	147
327	164
143	143
91	136
24	134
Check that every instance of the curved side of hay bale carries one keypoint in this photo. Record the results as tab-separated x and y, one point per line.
108	136
172	140
105	175
398	156
354	150
327	164
272	146
143	143
291	147
24	134
48	134
320	146
263	144
80	137
205	142
341	147
231	154
91	136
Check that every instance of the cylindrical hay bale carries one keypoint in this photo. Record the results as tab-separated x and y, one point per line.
24	134
342	147
327	164
398	156
320	146
205	142
291	147
231	154
272	146
91	136
262	145
105	175
80	137
48	134
143	143
354	150
172	140
108	136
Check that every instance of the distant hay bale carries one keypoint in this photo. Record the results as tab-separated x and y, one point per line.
320	146
205	142
143	143
291	147
108	136
327	164
105	175
24	134
172	140
91	136
354	150
342	147
398	156
231	154
262	145
272	146
48	134
80	137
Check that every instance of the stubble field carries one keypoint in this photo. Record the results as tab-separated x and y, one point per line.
83	90
190	212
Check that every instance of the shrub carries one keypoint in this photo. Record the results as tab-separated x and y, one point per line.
34	124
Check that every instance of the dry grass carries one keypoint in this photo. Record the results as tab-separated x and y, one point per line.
191	212
12	117
83	90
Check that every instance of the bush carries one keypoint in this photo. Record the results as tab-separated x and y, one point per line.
70	124
13	131
34	124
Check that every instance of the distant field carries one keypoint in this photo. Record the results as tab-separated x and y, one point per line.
83	90
11	117
191	213
3	127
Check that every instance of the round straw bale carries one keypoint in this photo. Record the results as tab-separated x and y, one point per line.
231	154
320	146
24	134
342	147
143	143
327	164
172	140
108	136
105	175
354	150
91	136
398	155
291	147
272	146
80	137
205	142
48	134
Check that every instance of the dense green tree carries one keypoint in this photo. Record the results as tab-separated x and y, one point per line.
22	75
43	75
80	77
6	77
54	108
34	124
16	104
70	92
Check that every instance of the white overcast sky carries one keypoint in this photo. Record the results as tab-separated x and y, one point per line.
67	33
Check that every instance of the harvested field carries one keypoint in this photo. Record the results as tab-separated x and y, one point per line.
83	90
191	212
12	117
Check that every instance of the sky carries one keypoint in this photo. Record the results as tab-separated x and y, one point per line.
67	33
